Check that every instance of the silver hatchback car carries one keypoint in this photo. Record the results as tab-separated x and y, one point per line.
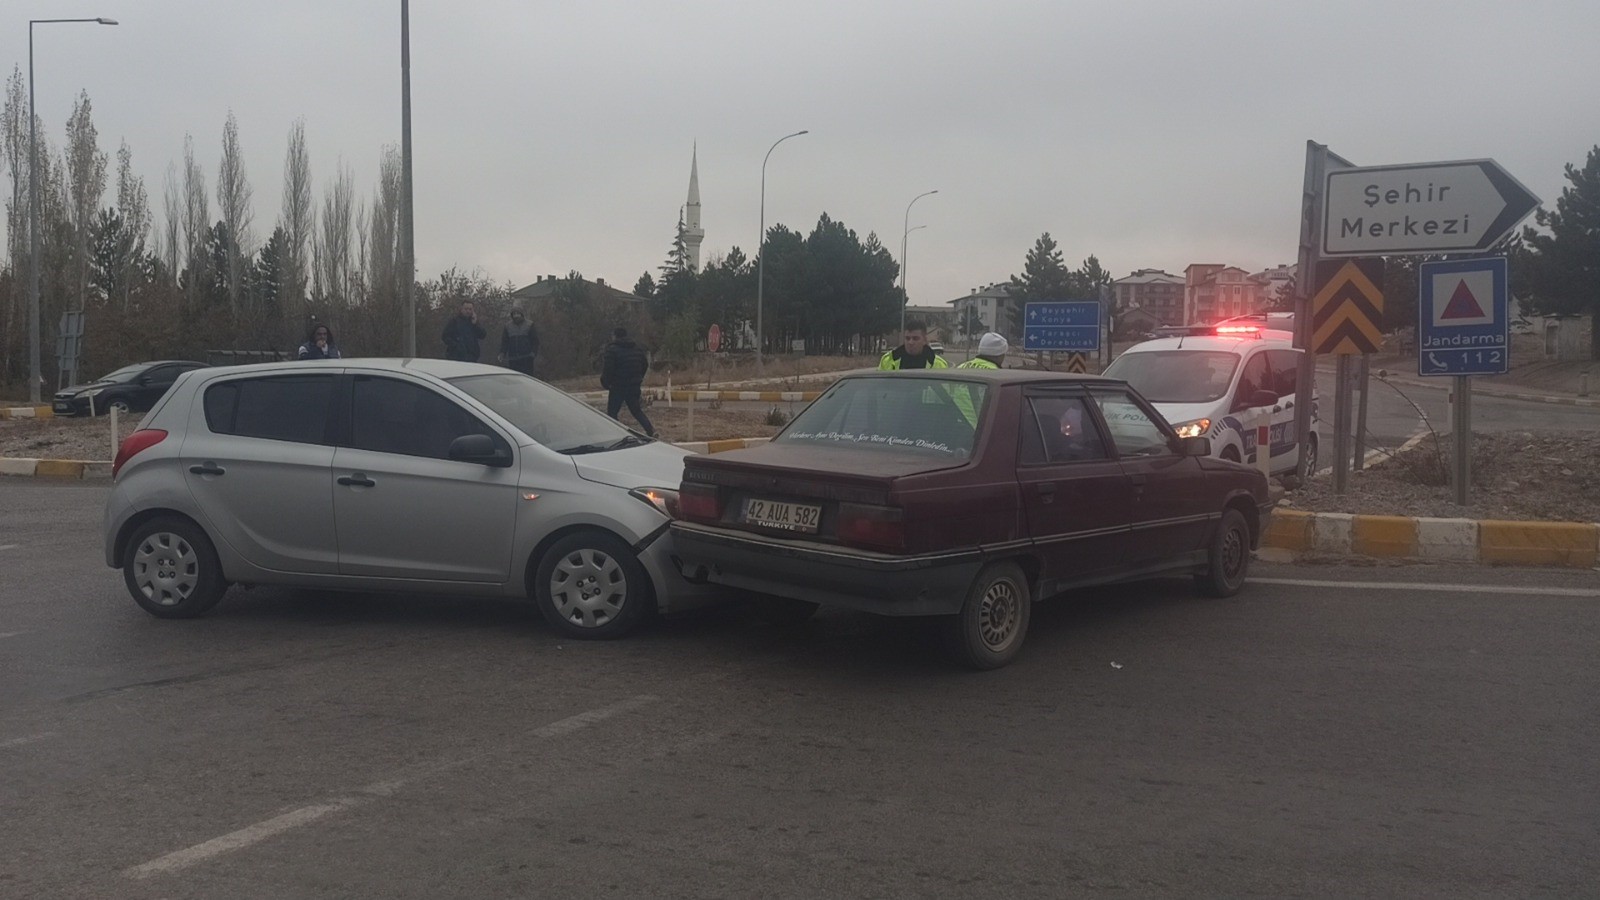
417	475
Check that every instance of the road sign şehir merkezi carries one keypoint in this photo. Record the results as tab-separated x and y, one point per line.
1347	308
1463	326
1061	326
1446	207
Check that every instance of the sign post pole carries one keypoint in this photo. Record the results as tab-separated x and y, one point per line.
1365	377
1341	423
1461	414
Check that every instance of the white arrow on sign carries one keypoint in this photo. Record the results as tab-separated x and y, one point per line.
1447	207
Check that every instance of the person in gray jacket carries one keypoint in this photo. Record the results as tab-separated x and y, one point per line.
519	343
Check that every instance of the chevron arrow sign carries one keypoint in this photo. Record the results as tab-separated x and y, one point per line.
1347	308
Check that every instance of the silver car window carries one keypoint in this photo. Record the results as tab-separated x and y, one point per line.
278	408
551	417
388	415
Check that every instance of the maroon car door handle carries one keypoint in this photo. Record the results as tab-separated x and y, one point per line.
1047	492
1137	480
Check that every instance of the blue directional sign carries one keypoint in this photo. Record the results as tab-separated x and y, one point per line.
1463	325
1061	326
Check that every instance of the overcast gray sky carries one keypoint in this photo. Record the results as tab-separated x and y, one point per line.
552	136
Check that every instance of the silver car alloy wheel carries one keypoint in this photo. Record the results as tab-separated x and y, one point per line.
588	587
1000	615
166	568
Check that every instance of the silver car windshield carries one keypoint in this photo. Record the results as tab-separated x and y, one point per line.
1177	376
549	416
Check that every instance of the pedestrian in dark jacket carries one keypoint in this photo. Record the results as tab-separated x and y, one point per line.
463	336
621	373
519	343
320	345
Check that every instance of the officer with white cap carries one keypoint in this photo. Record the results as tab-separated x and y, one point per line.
991	353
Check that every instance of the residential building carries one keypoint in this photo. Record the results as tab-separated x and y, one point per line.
1213	291
995	309
1156	293
1277	285
546	286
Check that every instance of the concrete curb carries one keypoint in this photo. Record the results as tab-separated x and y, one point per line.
27	412
1480	389
55	468
1489	542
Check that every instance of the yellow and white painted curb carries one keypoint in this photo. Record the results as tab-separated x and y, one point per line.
26	412
55	468
1490	542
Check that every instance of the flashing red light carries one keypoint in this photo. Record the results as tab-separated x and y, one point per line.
1248	330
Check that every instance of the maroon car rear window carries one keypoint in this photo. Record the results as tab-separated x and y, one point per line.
892	415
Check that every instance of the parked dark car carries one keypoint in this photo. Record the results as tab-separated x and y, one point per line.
134	388
967	493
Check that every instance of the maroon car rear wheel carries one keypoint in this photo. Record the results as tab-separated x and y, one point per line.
989	631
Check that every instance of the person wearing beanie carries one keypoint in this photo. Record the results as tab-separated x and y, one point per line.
991	353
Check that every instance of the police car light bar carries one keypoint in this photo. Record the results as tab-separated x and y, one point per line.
1249	330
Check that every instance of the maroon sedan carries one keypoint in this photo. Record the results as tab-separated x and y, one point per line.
967	493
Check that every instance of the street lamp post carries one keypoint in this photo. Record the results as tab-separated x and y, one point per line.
904	298
35	374
761	248
408	247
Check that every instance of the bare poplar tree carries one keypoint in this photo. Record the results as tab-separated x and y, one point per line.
14	148
86	180
196	222
172	242
233	201
333	247
134	204
384	229
298	219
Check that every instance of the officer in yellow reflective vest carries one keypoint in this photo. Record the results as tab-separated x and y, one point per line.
914	353
991	355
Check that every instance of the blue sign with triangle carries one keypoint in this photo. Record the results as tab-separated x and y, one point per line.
1463	318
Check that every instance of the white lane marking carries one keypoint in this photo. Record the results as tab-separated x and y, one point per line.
1427	586
9	546
244	837
253	834
6	634
26	739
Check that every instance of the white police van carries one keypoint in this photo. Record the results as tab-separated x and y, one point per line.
1215	381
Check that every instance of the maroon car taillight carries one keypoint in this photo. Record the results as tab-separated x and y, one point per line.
699	503
872	527
134	444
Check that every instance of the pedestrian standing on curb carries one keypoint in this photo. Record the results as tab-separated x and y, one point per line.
320	345
463	336
622	373
519	344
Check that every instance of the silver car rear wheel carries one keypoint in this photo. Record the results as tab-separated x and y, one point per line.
171	569
590	585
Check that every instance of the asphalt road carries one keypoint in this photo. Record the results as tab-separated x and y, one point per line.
1330	732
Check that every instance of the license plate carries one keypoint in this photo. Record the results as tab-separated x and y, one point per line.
787	516
62	407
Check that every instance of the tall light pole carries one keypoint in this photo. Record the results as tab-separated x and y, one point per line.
35	375
761	247
408	247
904	299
